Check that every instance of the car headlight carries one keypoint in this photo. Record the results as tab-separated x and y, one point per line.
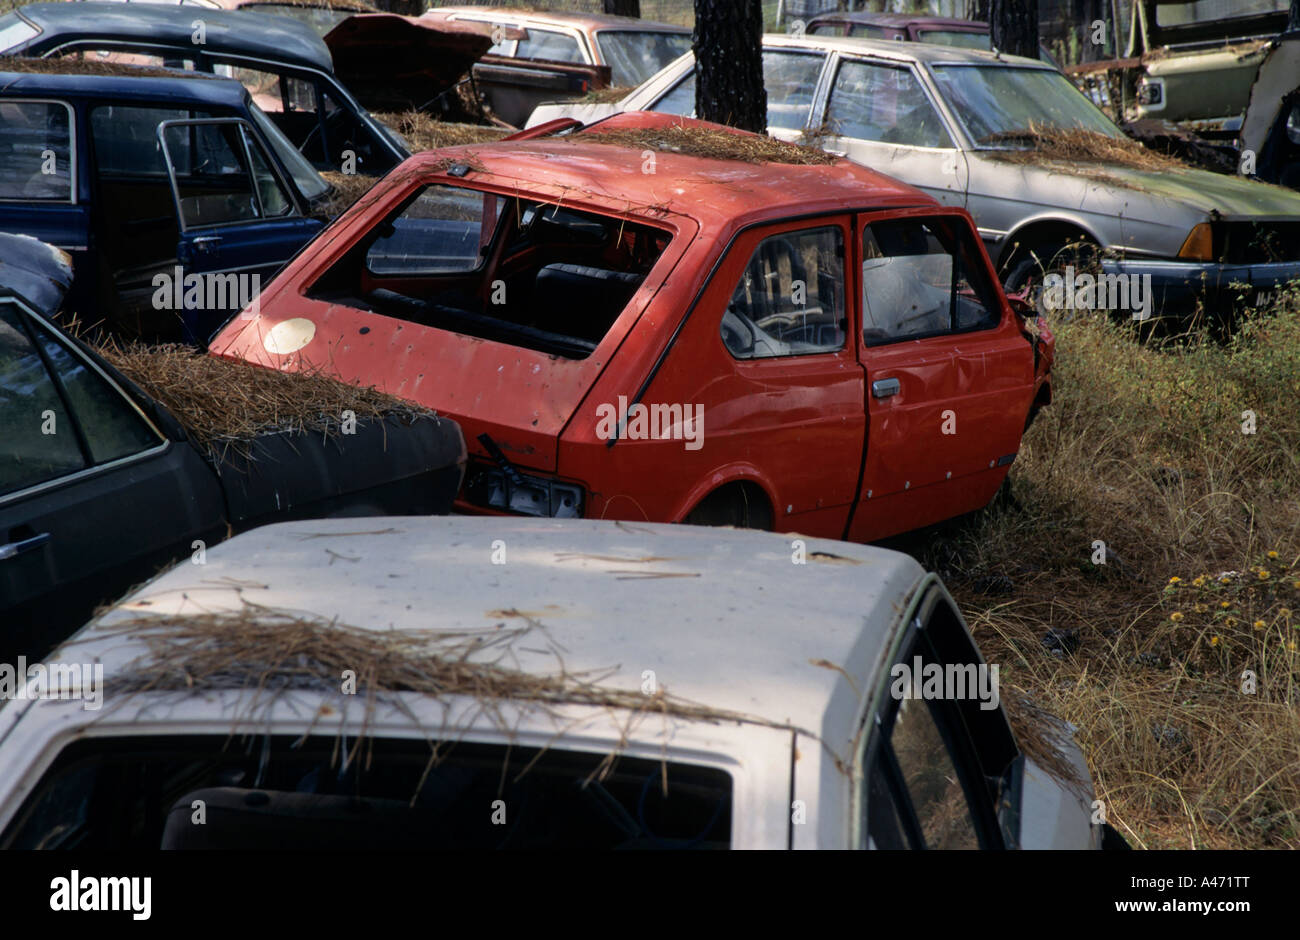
527	495
1151	92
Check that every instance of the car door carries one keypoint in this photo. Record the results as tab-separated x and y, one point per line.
949	373
40	174
767	363
93	497
238	215
879	114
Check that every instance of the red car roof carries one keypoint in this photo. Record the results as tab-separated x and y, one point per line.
716	193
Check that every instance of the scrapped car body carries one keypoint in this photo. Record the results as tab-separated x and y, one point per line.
1187	63
564	693
538	56
288	69
907	27
321	15
101	485
1270	131
155	174
955	123
688	341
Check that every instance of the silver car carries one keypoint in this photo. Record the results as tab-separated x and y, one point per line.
943	119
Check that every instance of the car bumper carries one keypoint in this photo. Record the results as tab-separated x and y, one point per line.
1177	287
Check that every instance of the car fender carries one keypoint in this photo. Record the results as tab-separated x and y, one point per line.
740	472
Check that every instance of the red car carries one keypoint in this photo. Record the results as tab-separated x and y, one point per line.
632	333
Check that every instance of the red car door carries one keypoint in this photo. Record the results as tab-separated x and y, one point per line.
768	362
949	375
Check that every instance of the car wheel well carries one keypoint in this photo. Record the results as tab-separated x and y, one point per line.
1036	237
741	503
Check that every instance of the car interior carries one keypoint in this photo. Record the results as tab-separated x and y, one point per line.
537	275
263	792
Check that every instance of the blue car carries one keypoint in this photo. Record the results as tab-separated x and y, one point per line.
175	195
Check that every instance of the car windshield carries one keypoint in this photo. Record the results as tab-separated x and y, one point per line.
320	18
634	55
1207	11
14	31
996	103
310	183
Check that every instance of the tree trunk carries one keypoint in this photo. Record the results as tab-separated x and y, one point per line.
1293	18
1014	27
405	7
728	45
977	10
623	7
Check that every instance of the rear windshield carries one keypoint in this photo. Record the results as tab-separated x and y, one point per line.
537	275
961	38
266	792
635	55
14	31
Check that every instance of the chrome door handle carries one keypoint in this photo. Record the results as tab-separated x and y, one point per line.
14	549
883	388
204	242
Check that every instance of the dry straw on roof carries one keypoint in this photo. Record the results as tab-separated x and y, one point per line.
75	65
424	133
708	143
221	402
1080	146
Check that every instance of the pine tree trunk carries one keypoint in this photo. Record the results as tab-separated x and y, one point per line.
623	7
1014	25
1293	18
729	63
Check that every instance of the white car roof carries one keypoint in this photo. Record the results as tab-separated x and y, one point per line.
929	53
723	617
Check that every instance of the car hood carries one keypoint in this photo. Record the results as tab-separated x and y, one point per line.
40	273
392	62
1230	196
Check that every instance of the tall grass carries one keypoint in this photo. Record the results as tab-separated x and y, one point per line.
1185	684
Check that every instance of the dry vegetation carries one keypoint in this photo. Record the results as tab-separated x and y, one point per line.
708	143
221	402
1144	450
424	133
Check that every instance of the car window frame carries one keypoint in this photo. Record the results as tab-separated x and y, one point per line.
876	728
74	165
28	316
822	113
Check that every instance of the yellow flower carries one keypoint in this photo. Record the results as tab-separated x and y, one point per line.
1259	625
1272	554
1214	641
1284	612
1175	579
1296	585
1224	605
1291	646
1230	622
1200	608
1199	582
1176	617
1263	574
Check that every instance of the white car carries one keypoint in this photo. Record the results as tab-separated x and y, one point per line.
595	685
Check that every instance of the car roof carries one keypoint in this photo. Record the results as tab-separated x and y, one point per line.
127	82
721	616
226	33
929	53
899	20
588	21
35	271
716	193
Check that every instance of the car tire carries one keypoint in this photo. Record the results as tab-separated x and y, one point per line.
1031	265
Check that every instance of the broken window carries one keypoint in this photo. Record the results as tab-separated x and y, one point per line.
790	300
35	151
922	277
542	276
790	78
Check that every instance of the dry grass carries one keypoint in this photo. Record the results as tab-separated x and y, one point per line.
348	188
708	143
1144	450
424	133
607	95
1080	147
221	402
77	65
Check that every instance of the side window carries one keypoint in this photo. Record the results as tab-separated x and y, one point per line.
547	44
113	428
37	439
440	232
930	779
883	103
791	80
125	139
790	299
35	151
221	173
923	277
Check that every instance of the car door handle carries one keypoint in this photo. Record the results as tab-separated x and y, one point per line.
206	242
883	388
14	549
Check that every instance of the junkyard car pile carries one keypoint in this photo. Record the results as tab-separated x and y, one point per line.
618	318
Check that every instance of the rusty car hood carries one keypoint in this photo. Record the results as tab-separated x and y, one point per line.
393	62
1229	196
